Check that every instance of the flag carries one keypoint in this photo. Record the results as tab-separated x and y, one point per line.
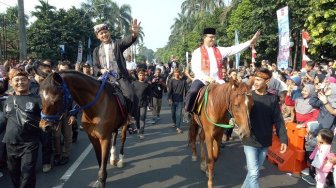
237	54
89	55
254	54
305	40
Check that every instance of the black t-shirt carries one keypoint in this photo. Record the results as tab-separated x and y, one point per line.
177	90
264	114
157	87
143	92
16	133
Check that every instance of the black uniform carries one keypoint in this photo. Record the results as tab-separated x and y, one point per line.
22	142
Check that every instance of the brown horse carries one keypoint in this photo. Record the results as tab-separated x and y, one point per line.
222	100
101	118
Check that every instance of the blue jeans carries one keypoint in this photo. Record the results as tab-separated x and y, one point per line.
255	158
176	110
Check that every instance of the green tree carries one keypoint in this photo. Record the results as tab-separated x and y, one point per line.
321	25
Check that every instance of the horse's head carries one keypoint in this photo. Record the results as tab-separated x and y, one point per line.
240	105
53	101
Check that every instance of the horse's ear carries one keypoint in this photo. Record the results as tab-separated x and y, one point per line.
57	78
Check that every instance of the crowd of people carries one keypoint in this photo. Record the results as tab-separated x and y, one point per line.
306	97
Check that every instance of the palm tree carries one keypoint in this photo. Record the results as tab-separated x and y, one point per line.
43	10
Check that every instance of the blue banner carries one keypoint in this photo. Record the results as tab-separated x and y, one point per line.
284	41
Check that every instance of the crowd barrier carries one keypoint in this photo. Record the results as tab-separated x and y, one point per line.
293	160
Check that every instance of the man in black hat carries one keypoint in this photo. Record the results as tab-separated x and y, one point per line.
108	56
206	62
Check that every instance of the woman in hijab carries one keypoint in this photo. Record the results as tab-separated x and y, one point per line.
304	112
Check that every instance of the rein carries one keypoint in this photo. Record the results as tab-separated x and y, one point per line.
67	99
206	113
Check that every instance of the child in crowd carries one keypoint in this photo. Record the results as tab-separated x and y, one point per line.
285	110
143	92
321	155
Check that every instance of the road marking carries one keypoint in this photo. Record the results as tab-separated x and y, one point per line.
73	167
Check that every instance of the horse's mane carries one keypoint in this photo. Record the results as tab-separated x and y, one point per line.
109	88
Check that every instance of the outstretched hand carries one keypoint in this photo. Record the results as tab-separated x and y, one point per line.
255	38
135	26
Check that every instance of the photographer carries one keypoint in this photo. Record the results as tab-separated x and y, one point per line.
22	136
157	85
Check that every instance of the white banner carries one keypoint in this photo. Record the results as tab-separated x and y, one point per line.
80	53
284	44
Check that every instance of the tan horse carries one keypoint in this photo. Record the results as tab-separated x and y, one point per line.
101	120
222	100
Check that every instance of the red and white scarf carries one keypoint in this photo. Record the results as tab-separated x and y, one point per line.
206	61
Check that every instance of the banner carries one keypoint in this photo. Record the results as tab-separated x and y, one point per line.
237	54
284	42
80	53
89	54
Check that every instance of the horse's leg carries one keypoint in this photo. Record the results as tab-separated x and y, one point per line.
113	157
216	143
202	149
193	130
121	153
96	146
105	144
209	143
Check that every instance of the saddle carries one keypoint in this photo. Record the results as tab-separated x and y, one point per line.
121	101
199	101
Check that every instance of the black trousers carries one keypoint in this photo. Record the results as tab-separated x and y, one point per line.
21	162
45	139
129	94
192	94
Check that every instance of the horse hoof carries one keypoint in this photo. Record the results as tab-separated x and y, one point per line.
120	164
204	168
98	184
113	162
194	158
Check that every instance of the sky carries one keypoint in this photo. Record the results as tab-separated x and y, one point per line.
156	16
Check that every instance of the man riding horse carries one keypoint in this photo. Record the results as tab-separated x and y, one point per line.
206	63
108	56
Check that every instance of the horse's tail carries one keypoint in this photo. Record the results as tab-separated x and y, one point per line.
193	131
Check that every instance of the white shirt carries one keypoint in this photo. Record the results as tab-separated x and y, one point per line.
196	60
107	48
130	65
110	64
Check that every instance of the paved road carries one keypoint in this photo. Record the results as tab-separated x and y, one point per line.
162	159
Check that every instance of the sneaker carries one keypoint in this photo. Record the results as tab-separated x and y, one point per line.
305	171
173	126
179	131
158	117
141	137
1	174
46	168
310	180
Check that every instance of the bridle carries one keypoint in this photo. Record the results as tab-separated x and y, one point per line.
68	100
